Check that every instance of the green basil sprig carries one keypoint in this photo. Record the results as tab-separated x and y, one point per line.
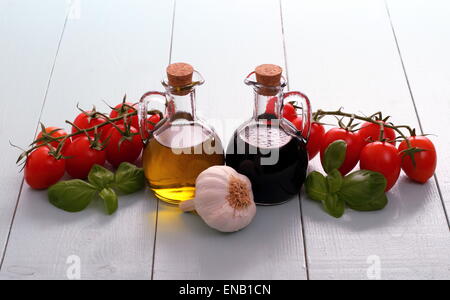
100	177
316	186
361	190
72	196
334	156
364	190
110	200
75	195
129	179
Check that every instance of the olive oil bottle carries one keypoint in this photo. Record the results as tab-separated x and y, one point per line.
174	159
181	146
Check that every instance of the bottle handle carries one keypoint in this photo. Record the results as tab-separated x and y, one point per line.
306	111
158	97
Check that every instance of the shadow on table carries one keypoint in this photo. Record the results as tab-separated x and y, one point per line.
406	200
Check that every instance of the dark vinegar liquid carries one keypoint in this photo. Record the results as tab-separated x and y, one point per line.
275	162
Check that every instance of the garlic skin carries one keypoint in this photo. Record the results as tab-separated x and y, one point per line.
223	199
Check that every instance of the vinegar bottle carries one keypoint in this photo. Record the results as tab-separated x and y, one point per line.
181	146
268	149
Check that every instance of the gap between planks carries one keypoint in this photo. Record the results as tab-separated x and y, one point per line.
414	104
305	251
35	133
157	200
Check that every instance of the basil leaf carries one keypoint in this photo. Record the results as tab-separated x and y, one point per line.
376	204
316	186
334	181
100	177
334	156
72	196
129	179
110	200
334	206
362	188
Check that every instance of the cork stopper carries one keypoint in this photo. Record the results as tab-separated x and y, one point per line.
180	75
269	75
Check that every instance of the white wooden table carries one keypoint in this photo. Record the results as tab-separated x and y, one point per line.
364	55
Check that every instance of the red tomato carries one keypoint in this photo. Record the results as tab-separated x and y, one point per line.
81	158
315	136
425	160
127	151
298	123
289	112
104	132
151	122
42	170
120	110
83	121
270	106
354	147
57	132
371	132
383	158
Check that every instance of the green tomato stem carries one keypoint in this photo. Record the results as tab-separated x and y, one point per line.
370	119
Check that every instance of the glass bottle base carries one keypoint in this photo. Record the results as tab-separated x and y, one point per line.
175	195
272	204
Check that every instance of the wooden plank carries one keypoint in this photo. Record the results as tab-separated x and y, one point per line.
423	33
29	34
344	54
109	48
226	40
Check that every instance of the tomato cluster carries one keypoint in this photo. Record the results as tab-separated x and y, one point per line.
375	149
114	142
377	152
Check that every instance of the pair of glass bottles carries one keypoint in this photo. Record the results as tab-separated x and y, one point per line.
268	149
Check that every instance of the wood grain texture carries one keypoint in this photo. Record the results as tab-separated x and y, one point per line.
344	54
226	40
109	48
29	34
423	33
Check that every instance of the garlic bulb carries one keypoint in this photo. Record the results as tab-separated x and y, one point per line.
223	199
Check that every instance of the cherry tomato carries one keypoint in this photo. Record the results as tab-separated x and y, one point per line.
120	110
315	137
371	132
383	158
270	106
425	160
55	132
128	150
151	123
83	121
289	112
354	147
43	170
298	123
81	158
104	132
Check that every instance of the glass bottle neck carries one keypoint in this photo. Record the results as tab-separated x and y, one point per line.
267	107
182	106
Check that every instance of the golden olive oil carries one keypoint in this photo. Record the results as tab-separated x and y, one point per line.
175	157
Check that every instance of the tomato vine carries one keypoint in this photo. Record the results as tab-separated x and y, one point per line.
47	140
